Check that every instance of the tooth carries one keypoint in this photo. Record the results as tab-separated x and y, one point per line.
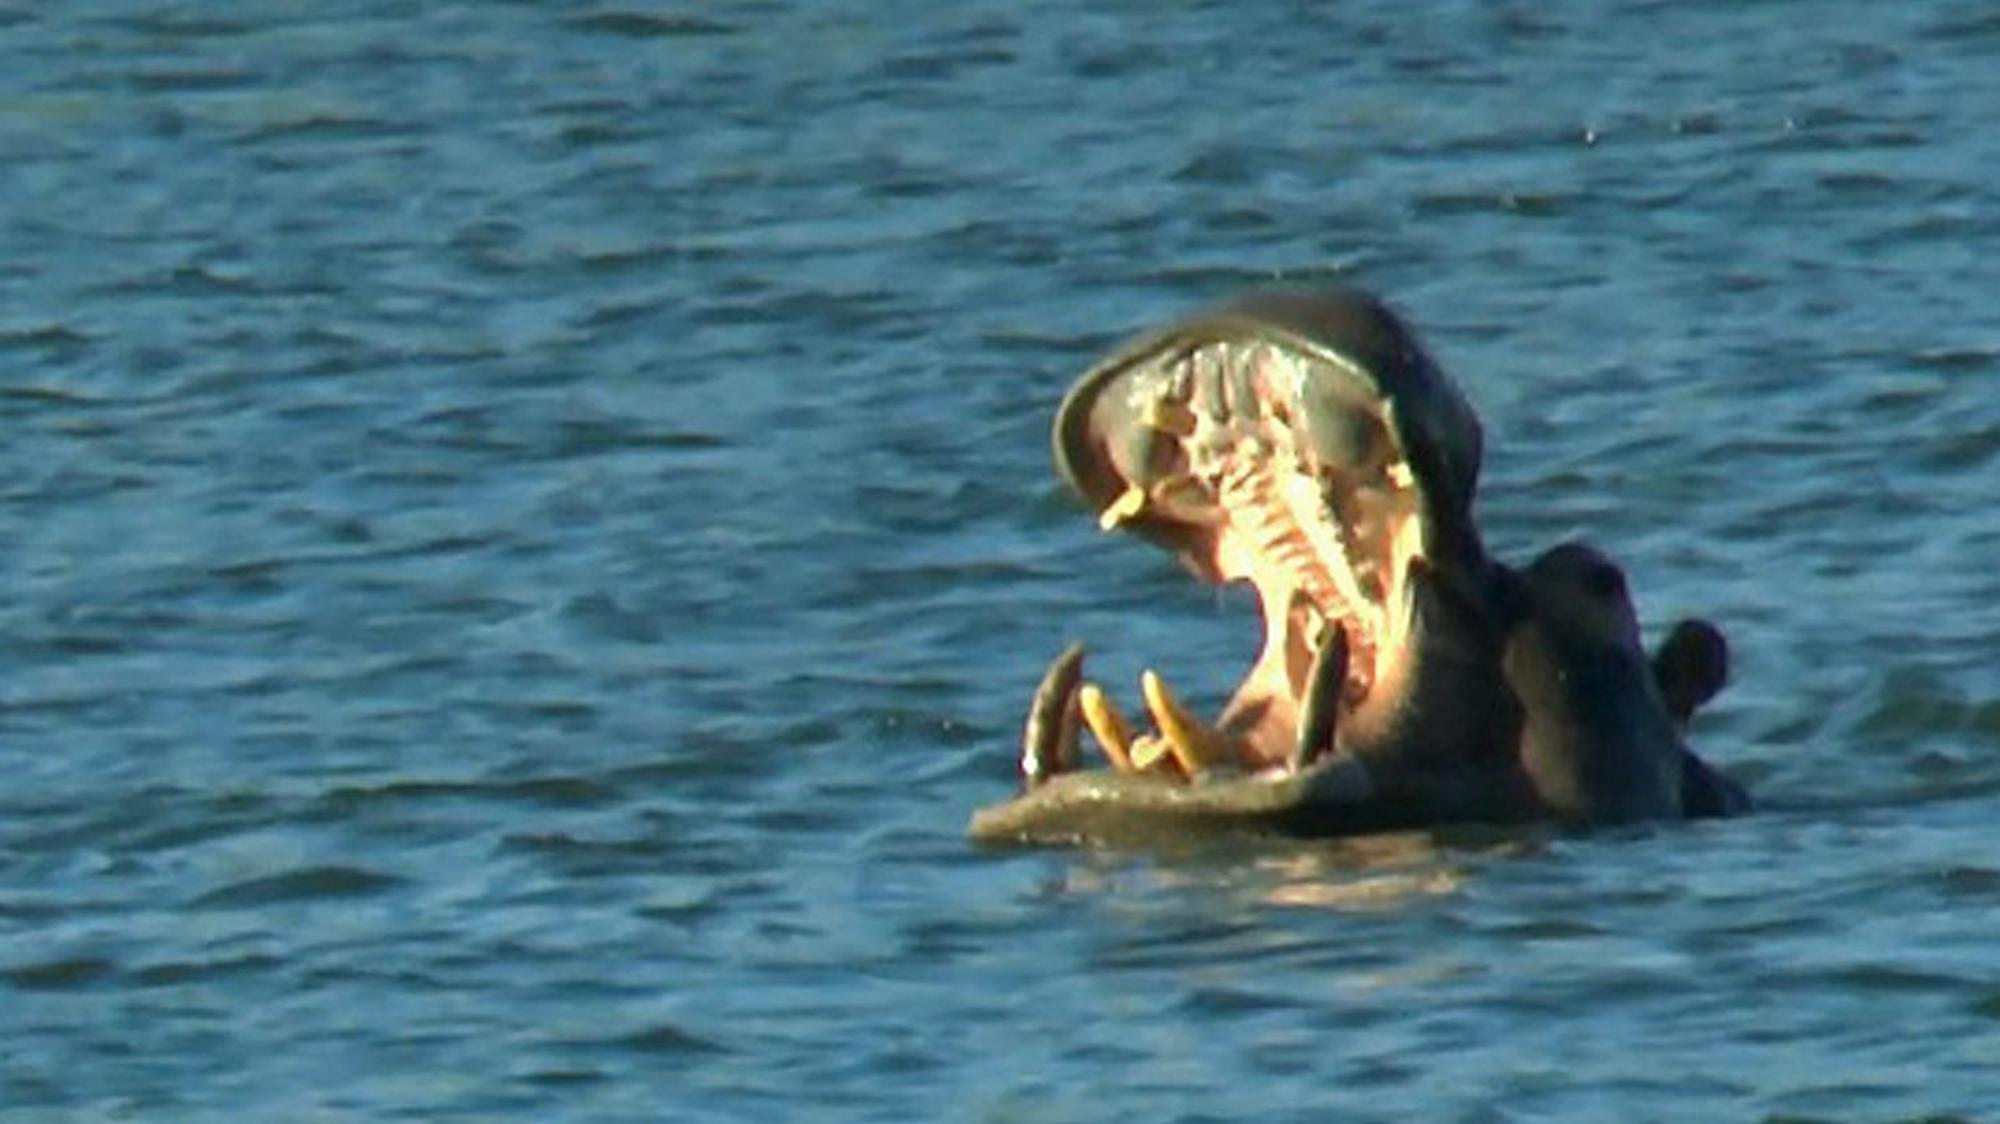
1315	621
1194	743
1113	733
1322	700
1240	381
1148	751
1207	367
1048	741
1122	509
1169	416
1182	497
1296	493
1400	474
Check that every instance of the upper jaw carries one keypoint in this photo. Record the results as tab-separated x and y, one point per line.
1357	358
1300	441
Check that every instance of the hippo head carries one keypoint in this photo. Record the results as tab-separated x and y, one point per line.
1308	446
1305	443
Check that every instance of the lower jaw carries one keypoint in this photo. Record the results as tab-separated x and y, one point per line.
1265	724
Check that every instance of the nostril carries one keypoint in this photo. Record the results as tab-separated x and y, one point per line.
1603	580
1575	565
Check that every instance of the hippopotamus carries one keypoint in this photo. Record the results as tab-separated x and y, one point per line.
1306	443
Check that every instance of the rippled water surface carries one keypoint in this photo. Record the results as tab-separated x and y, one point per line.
527	530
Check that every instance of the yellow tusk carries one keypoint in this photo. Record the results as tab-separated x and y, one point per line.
1195	745
1131	503
1113	733
1149	751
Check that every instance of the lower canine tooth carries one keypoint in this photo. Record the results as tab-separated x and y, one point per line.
1195	745
1322	699
1048	742
1113	733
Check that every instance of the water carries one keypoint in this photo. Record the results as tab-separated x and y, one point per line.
528	530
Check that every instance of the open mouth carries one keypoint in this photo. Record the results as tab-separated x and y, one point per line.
1306	445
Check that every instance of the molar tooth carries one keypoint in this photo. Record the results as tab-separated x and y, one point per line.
1207	367
1108	726
1297	496
1123	509
1367	573
1180	378
1241	381
1196	745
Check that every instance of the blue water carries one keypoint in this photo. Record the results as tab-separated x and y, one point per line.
527	530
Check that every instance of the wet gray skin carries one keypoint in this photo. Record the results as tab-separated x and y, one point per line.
1597	742
1410	682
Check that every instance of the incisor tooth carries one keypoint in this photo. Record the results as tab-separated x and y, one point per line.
1148	751
1195	745
1131	503
1113	733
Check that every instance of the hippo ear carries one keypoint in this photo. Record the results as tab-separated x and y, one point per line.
1691	667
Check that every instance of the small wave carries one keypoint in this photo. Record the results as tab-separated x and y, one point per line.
556	792
42	336
666	1038
304	884
645	25
194	80
175	972
59	975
